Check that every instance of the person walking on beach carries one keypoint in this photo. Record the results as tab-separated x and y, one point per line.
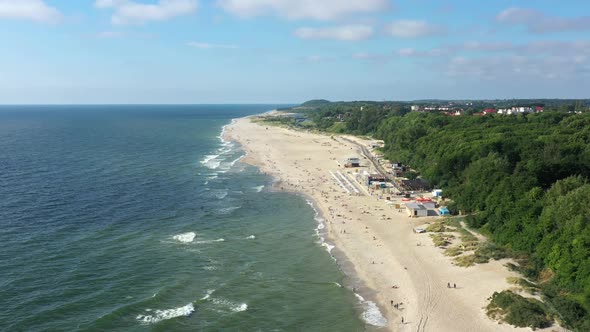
454	285
402	319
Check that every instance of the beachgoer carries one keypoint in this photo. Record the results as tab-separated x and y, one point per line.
448	285
402	319
454	285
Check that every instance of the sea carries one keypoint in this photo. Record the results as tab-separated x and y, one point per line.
143	218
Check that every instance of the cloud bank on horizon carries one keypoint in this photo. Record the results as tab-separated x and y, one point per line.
189	51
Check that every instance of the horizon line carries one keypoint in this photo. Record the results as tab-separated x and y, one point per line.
282	103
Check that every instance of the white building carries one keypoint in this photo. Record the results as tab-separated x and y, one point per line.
416	210
516	110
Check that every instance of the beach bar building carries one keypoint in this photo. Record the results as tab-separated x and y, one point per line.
416	210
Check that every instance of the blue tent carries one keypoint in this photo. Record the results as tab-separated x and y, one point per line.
444	211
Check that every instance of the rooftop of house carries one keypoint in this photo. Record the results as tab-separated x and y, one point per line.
415	206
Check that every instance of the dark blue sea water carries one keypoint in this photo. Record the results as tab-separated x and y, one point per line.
134	218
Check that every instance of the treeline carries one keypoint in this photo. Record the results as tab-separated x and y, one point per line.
522	180
363	117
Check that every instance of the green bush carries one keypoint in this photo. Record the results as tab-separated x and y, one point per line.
490	251
519	311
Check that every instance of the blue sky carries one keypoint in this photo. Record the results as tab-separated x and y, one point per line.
269	51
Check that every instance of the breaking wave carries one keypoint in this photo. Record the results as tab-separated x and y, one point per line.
371	313
160	315
185	237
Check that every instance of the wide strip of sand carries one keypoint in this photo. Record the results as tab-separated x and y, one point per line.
385	260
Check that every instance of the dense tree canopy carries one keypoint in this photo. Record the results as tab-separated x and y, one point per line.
521	179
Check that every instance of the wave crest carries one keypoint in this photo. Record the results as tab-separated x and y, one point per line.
185	237
160	315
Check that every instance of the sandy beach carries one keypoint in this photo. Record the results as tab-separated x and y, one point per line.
386	262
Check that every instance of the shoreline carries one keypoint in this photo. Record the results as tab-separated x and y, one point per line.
383	261
371	312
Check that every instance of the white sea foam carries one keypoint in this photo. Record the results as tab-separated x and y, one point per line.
240	307
328	247
251	237
319	230
213	164
208	158
259	188
160	315
228	210
232	306
236	160
208	294
185	237
371	313
210	241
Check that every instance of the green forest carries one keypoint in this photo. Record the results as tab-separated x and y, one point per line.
520	179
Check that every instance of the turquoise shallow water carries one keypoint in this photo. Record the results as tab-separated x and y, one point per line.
135	218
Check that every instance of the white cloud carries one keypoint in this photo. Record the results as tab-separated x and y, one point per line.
113	34
344	32
109	34
372	57
412	52
303	9
317	58
577	49
487	46
507	67
413	29
34	10
131	12
538	22
208	46
362	55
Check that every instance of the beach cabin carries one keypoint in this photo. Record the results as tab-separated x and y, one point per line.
376	178
437	193
416	210
352	162
443	211
429	205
